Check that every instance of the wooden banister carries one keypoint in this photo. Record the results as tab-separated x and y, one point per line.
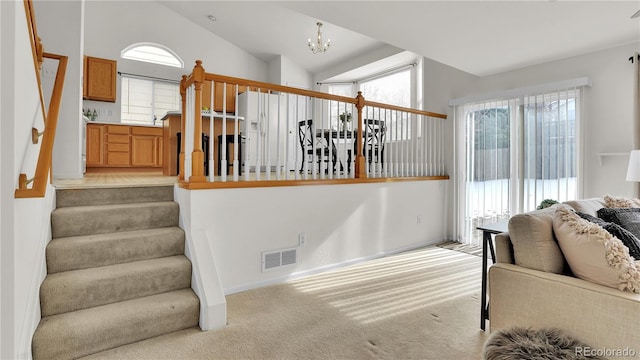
43	167
198	77
183	96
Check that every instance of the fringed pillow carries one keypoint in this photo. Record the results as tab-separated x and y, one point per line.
593	254
621	202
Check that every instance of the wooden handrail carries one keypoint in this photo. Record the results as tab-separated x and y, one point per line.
279	88
316	94
37	49
43	167
404	109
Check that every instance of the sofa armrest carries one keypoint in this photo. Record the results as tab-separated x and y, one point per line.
600	316
504	248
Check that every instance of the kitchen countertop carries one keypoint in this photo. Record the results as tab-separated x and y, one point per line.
204	114
123	124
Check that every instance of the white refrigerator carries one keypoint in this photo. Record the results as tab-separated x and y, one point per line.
265	130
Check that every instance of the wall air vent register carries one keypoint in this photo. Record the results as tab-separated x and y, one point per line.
276	259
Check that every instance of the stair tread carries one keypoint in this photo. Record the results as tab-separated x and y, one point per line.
87	331
85	251
111	206
98	219
78	289
112	194
119	234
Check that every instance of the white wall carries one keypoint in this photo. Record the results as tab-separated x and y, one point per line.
608	122
24	223
292	74
60	27
7	178
342	223
441	84
1	187
150	21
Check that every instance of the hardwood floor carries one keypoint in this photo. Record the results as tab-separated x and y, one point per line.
121	178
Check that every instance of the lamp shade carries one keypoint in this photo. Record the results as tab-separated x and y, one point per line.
633	171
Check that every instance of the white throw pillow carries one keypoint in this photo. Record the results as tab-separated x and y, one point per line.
593	254
621	202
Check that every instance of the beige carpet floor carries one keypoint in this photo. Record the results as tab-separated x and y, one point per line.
422	304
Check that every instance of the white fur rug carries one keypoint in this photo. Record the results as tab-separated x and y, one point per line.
529	344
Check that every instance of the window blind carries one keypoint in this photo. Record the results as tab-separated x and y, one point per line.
514	153
146	101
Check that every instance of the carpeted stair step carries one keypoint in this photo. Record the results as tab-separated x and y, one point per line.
81	252
80	289
110	196
100	219
88	331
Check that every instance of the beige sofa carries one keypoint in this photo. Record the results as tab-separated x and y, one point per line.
531	285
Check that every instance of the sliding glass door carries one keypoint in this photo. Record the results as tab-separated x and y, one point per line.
516	153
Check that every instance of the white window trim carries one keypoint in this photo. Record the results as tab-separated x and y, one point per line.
123	54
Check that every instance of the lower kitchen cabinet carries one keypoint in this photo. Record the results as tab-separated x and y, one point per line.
124	146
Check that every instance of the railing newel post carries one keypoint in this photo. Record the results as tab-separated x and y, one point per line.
197	158
183	126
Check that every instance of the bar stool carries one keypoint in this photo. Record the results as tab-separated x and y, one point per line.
230	139
205	149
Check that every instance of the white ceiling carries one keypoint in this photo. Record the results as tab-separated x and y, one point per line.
479	37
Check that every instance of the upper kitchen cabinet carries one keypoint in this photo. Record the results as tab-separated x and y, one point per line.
219	96
99	79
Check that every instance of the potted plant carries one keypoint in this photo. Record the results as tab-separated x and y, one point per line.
345	118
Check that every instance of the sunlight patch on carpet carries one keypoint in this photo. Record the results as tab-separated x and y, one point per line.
397	285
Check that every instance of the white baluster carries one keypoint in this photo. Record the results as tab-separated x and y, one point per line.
223	143
237	142
211	132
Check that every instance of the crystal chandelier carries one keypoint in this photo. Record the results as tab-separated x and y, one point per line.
318	46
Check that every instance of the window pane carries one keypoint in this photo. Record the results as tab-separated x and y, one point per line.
336	109
147	101
488	167
546	168
152	54
550	143
393	89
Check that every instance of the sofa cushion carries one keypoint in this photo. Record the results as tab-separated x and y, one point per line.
587	206
620	202
628	218
534	244
594	254
628	239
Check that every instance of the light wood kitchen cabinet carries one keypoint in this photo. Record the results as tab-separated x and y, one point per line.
99	79
117	145
218	100
146	147
124	146
95	145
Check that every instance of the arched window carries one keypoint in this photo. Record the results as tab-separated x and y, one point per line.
152	53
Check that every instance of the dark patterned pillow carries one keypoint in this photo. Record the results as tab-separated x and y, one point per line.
591	218
623	224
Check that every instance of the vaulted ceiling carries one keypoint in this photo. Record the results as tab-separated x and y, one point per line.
479	37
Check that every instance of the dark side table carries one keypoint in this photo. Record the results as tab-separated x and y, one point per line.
487	242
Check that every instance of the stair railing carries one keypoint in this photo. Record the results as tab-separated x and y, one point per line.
270	138
45	123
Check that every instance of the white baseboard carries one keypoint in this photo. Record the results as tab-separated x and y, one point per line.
301	274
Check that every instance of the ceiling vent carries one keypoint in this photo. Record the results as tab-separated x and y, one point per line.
276	259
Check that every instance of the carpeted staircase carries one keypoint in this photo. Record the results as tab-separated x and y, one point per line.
117	273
